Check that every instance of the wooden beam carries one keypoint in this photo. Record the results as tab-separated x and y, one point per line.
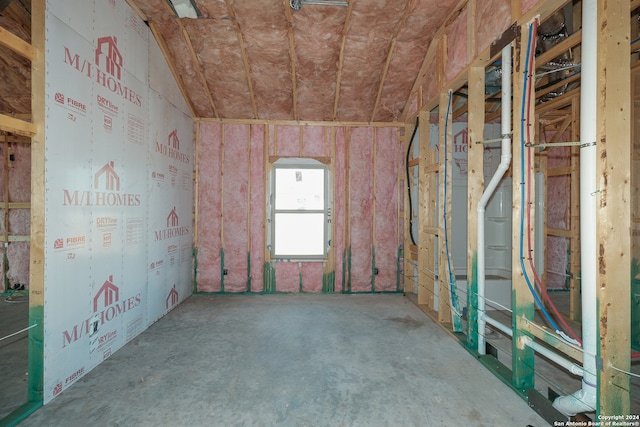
566	44
542	92
20	127
392	45
613	208
445	158
243	53
303	123
174	71
558	232
425	209
345	30
471	31
16	44
292	57
198	67
475	188
575	295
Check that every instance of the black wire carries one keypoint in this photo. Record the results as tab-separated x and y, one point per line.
415	129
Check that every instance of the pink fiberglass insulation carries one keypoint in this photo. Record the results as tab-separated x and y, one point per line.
412	43
317	53
314	142
20	173
287	277
220	56
18	255
257	208
288	141
457	46
493	17
188	70
361	207
312	273
339	211
271	143
266	42
367	45
235	206
386	239
209	208
528	4
556	261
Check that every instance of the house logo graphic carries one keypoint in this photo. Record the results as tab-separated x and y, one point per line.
172	148
107	305
111	178
173	227
174	141
58	244
108	293
105	69
59	98
172	298
172	219
106	179
112	56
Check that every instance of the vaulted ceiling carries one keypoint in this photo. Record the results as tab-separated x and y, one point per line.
261	59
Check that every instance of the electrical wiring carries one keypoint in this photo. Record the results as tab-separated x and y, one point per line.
453	297
529	93
406	164
523	125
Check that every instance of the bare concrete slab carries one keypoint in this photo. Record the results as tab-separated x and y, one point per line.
290	360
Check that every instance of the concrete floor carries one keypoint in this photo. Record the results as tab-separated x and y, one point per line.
290	360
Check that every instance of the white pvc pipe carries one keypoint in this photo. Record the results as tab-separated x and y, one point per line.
505	159
501	326
584	400
554	357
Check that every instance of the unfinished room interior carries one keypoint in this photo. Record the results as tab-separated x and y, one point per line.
320	212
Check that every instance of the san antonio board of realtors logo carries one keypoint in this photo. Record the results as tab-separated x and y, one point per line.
173	227
105	179
107	305
106	68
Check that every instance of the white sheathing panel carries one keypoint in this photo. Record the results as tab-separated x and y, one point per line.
119	192
161	79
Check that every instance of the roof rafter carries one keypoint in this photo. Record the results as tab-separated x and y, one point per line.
292	55
245	59
198	67
347	21
392	47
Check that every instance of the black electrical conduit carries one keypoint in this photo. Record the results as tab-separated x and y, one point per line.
406	163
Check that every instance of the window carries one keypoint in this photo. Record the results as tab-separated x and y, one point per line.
299	211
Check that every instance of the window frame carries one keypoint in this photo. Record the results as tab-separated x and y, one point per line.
299	163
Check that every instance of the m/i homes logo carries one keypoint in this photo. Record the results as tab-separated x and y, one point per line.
172	148
107	305
106	68
173	227
105	179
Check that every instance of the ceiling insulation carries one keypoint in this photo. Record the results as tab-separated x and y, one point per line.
260	59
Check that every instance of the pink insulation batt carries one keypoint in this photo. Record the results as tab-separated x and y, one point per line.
288	141
339	209
457	46
235	206
386	239
493	17
209	207
257	207
361	204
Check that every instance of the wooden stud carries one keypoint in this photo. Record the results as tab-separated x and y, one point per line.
373	209
444	306
575	305
196	187
425	241
38	211
249	210
245	58
471	32
475	188
516	10
522	302
410	286
345	30
612	204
